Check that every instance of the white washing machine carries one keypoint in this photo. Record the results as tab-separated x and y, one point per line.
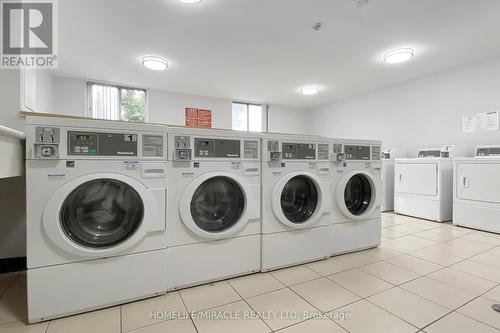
214	197
96	195
476	202
296	200
388	157
423	186
357	195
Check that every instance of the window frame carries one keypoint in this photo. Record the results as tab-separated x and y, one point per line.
91	83
264	116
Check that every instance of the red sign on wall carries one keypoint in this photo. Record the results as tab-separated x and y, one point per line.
198	118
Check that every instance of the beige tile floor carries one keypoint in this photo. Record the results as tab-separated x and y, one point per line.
425	277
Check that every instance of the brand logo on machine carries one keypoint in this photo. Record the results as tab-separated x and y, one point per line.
129	153
29	34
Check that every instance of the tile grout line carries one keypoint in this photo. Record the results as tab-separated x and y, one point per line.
244	300
189	314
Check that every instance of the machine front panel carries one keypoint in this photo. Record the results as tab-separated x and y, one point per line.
488	151
102	144
419	179
478	182
360	153
299	151
429	153
218	148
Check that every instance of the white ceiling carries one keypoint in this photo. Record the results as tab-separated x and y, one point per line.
265	50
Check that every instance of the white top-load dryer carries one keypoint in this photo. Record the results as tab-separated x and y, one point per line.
388	157
213	220
96	212
296	199
476	199
423	186
357	195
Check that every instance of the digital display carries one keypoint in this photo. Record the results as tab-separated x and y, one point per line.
82	137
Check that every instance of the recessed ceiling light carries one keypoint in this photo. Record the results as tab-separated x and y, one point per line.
310	90
399	56
154	63
190	1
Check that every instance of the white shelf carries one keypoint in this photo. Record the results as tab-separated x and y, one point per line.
11	150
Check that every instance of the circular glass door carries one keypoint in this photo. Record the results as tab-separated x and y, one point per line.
101	213
358	194
217	204
299	199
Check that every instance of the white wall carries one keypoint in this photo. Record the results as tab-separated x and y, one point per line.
169	107
69	96
284	119
44	95
10	98
425	112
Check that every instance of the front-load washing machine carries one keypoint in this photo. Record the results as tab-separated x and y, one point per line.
213	220
357	195
96	195
296	199
388	157
423	186
476	195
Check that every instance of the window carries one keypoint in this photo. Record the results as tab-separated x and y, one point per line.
248	117
115	102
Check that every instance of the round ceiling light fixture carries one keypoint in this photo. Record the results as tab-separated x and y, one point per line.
399	56
154	63
309	90
189	1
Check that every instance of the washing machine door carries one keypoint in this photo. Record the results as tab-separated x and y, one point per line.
299	199
215	205
356	195
101	214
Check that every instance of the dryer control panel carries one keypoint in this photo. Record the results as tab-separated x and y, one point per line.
488	151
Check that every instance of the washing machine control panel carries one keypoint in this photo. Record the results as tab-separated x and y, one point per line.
298	151
218	148
360	153
102	144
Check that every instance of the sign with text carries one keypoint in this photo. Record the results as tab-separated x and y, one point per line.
480	122
198	118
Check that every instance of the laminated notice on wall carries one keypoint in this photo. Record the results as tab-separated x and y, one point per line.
480	122
198	118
